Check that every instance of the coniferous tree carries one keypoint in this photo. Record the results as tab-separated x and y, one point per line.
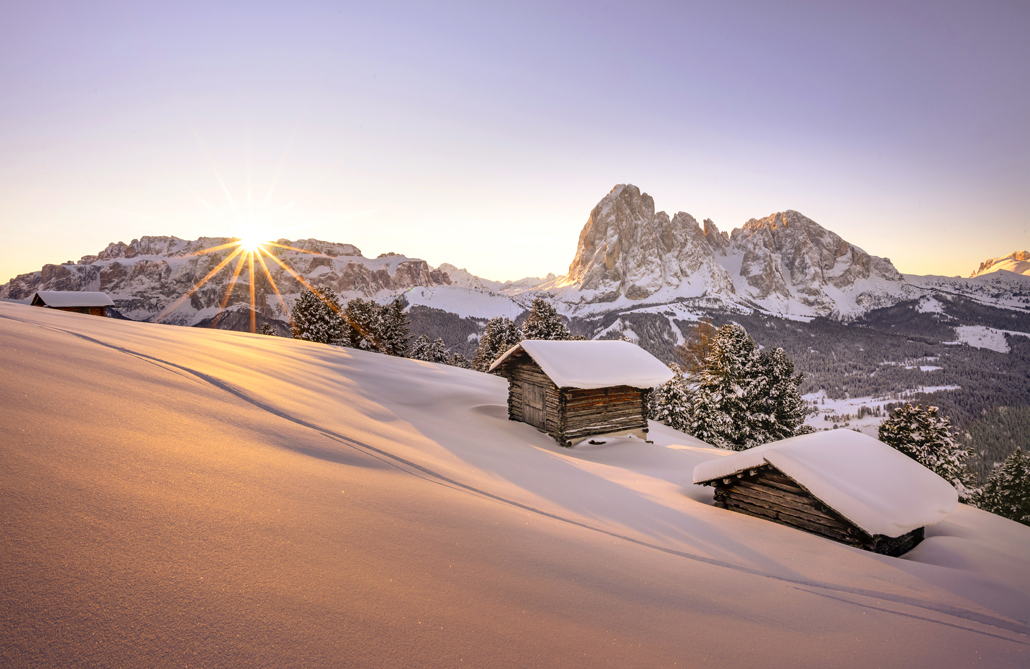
925	436
395	335
458	360
500	335
267	330
778	392
745	398
430	351
544	322
316	317
723	405
364	325
1007	490
670	402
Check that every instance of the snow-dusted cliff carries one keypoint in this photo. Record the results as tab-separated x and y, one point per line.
147	275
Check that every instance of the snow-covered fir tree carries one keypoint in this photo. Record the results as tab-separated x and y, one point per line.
924	435
778	393
430	351
458	360
365	325
722	406
267	330
500	335
316	317
670	402
1007	490
375	327
745	398
544	322
395	336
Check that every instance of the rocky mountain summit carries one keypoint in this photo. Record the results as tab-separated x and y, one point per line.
147	275
1017	262
783	263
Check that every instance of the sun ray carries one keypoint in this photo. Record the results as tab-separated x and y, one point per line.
268	274
218	248
253	313
364	333
218	175
228	291
175	305
292	248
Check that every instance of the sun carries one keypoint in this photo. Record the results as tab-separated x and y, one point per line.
252	243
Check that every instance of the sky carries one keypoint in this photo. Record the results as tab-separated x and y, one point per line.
482	134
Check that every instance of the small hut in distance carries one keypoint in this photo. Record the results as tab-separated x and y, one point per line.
841	485
575	390
80	302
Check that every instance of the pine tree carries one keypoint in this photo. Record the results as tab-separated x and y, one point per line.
670	402
458	360
1007	490
500	335
723	406
778	392
544	322
430	351
926	437
365	325
267	330
395	335
316	317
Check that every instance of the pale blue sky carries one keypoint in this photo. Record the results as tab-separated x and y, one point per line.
483	135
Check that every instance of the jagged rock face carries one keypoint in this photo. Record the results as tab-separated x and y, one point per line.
1018	262
626	248
147	275
791	256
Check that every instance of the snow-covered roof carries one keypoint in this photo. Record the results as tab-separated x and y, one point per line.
60	299
871	484
593	364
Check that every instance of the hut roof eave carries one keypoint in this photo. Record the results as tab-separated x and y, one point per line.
592	364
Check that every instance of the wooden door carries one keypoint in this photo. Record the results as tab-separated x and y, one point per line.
534	405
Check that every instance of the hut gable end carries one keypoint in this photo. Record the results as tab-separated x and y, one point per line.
575	390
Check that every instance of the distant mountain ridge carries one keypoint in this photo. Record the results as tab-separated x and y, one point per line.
629	256
1017	262
149	274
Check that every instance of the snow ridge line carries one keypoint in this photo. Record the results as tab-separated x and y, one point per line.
1016	627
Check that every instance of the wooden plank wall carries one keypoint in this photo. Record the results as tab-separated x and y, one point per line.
767	493
603	410
570	412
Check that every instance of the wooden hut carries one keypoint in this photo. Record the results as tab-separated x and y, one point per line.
80	302
575	390
841	484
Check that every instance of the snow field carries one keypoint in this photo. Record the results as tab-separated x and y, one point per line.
187	496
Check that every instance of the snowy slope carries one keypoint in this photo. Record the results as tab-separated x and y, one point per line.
177	496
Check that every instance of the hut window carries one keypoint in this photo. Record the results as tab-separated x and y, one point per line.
534	400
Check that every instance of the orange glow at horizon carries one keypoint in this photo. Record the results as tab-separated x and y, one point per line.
246	249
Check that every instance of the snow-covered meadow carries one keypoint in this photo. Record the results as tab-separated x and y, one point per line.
199	497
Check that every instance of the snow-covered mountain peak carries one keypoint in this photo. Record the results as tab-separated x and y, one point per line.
785	262
1018	262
